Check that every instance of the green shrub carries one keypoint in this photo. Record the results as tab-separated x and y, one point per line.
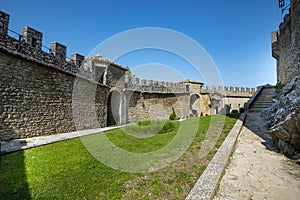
234	115
173	115
150	127
168	127
279	86
234	111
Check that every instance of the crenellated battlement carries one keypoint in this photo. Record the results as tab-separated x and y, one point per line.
151	86
229	91
29	43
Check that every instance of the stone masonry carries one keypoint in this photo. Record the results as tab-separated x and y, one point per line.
283	116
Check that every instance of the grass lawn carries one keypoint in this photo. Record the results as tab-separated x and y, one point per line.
66	170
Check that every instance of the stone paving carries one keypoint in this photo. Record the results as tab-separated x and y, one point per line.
257	170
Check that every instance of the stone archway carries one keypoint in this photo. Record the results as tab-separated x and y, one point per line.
216	104
194	105
114	108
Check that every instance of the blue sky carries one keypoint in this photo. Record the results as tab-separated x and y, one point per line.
236	34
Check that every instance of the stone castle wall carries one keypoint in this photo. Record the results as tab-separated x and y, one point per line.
284	115
286	45
36	99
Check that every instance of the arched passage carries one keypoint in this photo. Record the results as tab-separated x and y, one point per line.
113	108
216	103
194	105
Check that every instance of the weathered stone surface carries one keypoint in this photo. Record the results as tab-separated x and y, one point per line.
286	147
280	133
283	116
36	99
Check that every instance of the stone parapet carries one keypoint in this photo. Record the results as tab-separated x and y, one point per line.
151	86
229	91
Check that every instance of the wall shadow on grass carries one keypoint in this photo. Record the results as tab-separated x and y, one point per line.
13	179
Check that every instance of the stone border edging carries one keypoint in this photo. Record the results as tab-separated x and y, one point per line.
26	143
208	182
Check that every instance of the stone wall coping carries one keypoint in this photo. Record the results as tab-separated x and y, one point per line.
208	182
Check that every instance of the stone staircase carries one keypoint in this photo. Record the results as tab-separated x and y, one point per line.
263	100
255	122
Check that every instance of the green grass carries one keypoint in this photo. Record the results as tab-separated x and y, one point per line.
66	170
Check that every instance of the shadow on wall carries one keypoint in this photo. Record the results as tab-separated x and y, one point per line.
13	179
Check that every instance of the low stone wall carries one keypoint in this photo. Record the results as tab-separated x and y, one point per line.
36	99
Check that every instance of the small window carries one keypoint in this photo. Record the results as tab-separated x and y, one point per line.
79	62
187	88
34	42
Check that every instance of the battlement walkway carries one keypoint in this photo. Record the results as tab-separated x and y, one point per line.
256	170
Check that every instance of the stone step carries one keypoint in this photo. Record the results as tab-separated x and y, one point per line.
268	93
261	99
261	104
268	103
256	110
271	94
266	96
264	100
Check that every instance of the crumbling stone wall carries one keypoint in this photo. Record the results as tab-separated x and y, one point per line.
283	116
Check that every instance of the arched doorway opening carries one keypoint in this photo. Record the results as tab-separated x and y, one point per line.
194	105
114	108
216	104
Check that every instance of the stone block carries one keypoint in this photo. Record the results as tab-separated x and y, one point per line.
59	51
32	37
4	21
